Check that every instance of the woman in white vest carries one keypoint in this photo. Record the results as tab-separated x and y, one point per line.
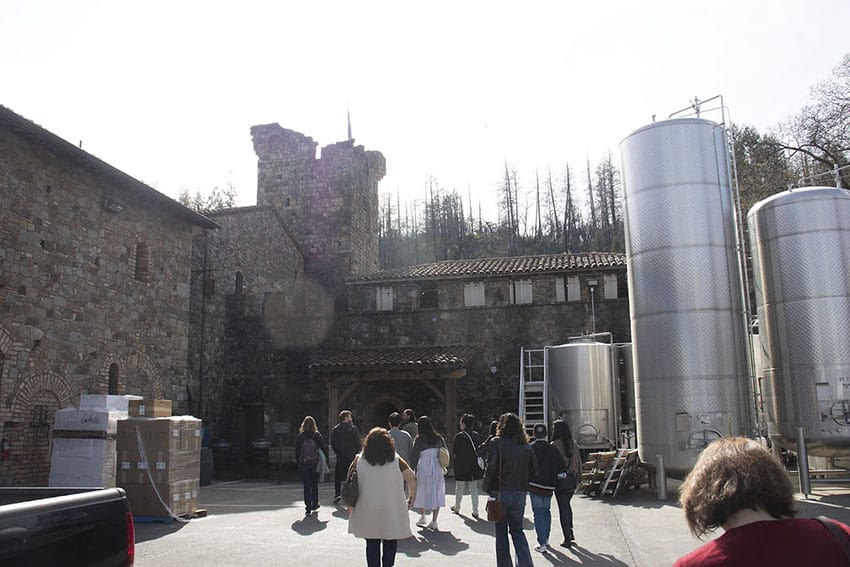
380	515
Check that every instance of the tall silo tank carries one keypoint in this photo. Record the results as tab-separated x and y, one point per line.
800	242
581	391
685	297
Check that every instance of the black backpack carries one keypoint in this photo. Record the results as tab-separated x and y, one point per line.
309	452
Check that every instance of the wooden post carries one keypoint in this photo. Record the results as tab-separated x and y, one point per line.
333	410
451	409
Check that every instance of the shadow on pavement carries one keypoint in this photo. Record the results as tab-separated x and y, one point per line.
309	525
444	543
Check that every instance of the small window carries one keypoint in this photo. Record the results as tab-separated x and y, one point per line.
112	388
240	282
610	286
428	297
209	287
520	292
560	290
573	289
473	294
142	272
384	299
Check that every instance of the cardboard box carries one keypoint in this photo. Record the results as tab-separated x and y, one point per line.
171	450
105	401
83	462
150	500
149	407
87	419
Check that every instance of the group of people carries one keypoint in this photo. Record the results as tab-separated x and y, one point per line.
736	484
401	468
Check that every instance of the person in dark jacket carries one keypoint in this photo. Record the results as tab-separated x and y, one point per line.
345	441
309	471
550	465
512	464
465	459
562	440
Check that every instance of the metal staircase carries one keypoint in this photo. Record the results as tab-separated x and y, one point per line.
533	401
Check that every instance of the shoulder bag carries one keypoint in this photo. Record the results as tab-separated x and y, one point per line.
837	533
444	458
349	492
495	510
478	458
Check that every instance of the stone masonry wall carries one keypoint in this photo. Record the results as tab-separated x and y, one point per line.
252	335
498	329
71	305
330	204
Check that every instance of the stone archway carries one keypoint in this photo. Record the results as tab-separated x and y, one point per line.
141	377
34	408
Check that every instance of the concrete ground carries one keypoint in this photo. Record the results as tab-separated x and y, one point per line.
261	522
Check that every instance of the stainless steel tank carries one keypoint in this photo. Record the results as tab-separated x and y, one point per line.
800	242
581	384
687	314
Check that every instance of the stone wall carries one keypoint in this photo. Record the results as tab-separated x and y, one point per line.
261	313
500	330
82	291
330	203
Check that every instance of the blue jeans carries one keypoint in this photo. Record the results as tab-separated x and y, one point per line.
373	552
310	478
514	504
541	506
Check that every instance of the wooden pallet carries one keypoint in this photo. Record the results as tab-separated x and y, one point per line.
611	472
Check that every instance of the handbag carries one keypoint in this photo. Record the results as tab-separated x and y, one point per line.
444	458
478	458
350	491
568	482
494	508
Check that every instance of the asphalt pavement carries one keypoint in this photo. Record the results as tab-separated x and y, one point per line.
261	523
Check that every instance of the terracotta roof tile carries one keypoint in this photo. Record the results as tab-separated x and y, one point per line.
396	358
514	265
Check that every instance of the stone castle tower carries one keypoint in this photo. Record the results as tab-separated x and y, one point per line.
329	202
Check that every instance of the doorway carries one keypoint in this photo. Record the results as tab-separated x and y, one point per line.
379	415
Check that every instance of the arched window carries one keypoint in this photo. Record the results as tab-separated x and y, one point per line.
240	282
142	262
113	380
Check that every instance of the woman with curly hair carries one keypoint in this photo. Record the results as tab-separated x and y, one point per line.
737	485
380	515
512	464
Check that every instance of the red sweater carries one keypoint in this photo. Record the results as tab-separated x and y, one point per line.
777	543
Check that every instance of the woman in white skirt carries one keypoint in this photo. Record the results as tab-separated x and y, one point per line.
380	515
431	484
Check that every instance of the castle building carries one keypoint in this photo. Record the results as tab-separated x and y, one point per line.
94	289
253	317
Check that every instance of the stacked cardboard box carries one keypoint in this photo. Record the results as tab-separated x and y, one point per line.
159	464
83	441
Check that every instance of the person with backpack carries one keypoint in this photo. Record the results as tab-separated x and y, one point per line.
307	446
345	441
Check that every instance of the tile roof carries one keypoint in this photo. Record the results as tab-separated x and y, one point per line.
397	358
512	265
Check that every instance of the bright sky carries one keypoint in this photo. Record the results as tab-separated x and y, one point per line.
167	90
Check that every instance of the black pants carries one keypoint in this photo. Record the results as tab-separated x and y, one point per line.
373	552
340	471
565	511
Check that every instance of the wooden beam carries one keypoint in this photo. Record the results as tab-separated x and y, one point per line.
436	390
346	393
